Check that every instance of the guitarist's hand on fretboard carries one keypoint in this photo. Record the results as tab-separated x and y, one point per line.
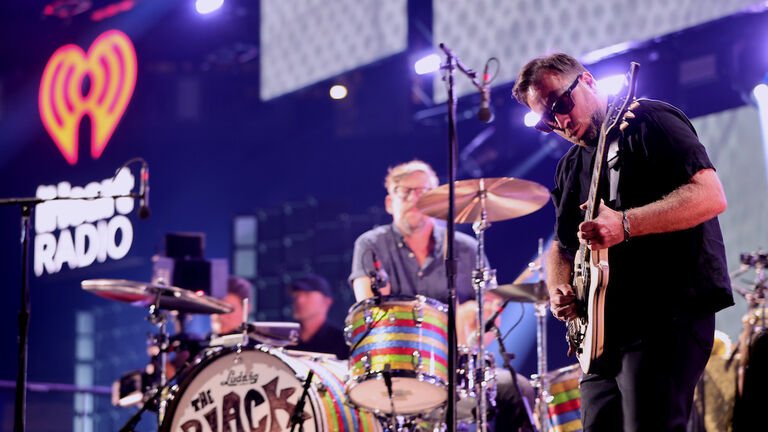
562	302
603	231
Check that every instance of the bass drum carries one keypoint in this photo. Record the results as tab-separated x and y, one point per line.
257	389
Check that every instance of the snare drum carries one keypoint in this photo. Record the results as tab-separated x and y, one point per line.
564	401
258	389
406	336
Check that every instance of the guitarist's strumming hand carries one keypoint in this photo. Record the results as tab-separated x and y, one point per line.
603	231
561	301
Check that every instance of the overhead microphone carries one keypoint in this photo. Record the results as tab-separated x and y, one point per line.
489	323
484	114
144	192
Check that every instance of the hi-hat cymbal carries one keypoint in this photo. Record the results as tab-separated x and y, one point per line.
531	292
144	294
505	198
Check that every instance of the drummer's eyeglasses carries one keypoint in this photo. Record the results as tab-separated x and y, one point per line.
404	192
562	105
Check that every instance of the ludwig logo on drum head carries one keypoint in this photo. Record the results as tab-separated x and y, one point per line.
240	378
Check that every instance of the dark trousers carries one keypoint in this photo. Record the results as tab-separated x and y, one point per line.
649	385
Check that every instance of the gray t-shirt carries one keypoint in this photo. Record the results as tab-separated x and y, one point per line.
406	277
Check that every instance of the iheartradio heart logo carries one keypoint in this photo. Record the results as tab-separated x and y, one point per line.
110	66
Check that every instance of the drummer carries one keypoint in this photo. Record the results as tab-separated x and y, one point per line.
410	250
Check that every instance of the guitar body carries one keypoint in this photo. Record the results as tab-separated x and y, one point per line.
589	330
586	333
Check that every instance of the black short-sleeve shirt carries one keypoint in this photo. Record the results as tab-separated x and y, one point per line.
674	274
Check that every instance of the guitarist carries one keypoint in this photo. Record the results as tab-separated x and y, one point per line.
659	198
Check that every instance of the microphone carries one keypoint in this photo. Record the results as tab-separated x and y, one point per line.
378	274
144	192
489	324
379	278
484	114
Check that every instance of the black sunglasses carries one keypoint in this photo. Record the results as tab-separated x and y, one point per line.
562	105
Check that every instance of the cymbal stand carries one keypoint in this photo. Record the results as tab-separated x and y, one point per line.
159	319
541	381
481	277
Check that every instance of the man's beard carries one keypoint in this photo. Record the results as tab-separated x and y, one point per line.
592	134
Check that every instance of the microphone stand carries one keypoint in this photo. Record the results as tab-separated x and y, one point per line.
27	205
506	357
452	62
450	65
298	410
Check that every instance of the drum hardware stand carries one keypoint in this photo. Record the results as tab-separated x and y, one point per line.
541	381
297	418
130	425
506	357
159	320
27	205
452	62
481	278
387	374
245	340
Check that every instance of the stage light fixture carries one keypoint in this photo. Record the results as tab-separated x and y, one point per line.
760	93
531	118
338	92
207	6
428	64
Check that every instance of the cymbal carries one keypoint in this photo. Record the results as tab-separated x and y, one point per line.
144	294
274	333
532	272
506	198
531	292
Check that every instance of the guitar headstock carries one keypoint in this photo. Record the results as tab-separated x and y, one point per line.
622	102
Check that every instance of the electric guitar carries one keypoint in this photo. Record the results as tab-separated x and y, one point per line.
586	333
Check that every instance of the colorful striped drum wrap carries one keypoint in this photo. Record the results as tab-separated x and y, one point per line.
340	416
395	334
565	407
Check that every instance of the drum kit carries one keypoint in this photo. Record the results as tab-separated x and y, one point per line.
397	374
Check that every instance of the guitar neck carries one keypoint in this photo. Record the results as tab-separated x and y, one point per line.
612	119
597	171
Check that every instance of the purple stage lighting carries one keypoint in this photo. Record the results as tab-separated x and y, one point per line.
531	118
207	6
428	64
338	92
612	84
760	94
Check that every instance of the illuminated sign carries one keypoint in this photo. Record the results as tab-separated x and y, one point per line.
88	230
110	66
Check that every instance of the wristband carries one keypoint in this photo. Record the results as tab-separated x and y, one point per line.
625	225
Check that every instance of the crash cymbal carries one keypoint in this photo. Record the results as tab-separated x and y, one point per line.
144	294
506	198
531	292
